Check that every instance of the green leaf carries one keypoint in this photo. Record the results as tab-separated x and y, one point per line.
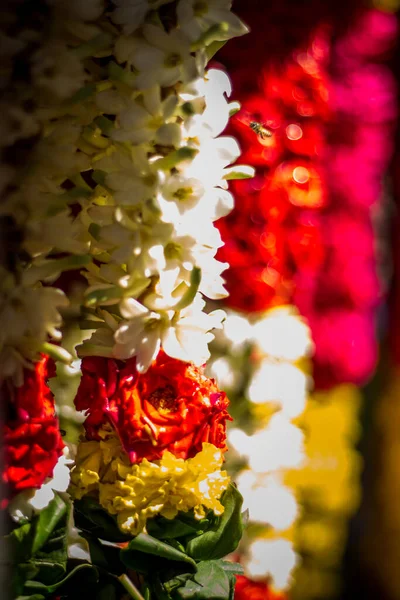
231	567
105	555
56	352
162	528
210	583
99	177
234	107
188	296
103	295
117	73
90	48
38	586
213	48
136	554
223	538
105	124
174	158
83	94
48	520
90	517
239	172
177	581
216	33
130	587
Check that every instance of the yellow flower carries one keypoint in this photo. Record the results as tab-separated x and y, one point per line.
135	493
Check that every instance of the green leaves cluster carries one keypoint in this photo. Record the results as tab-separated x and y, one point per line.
39	552
179	559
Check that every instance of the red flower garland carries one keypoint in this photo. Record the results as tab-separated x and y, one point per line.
173	406
301	231
32	439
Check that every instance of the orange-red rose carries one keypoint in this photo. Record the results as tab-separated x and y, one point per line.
173	406
32	439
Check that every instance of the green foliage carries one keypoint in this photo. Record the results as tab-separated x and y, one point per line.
178	559
39	549
224	536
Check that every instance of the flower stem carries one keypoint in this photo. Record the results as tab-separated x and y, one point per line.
130	587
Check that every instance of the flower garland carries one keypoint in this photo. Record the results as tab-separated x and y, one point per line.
282	236
262	363
340	308
126	180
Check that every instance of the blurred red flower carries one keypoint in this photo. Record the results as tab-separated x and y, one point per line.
32	439
246	589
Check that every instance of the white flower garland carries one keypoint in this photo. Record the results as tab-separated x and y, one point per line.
280	341
161	171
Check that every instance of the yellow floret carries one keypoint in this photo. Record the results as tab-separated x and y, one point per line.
135	493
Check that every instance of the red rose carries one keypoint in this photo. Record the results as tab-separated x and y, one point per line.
255	590
32	439
173	406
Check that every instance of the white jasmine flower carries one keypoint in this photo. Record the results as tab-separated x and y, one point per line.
284	334
179	195
130	176
58	70
121	242
30	313
281	383
197	16
277	446
189	337
210	117
111	101
267	499
56	155
163	58
213	157
58	231
212	284
131	13
149	122
237	330
274	558
33	501
222	370
185	337
140	335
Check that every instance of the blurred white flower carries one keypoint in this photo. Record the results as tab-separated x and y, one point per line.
30	314
284	334
281	383
267	499
280	445
274	558
223	372
237	330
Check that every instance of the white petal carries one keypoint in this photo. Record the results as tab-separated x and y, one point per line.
131	308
